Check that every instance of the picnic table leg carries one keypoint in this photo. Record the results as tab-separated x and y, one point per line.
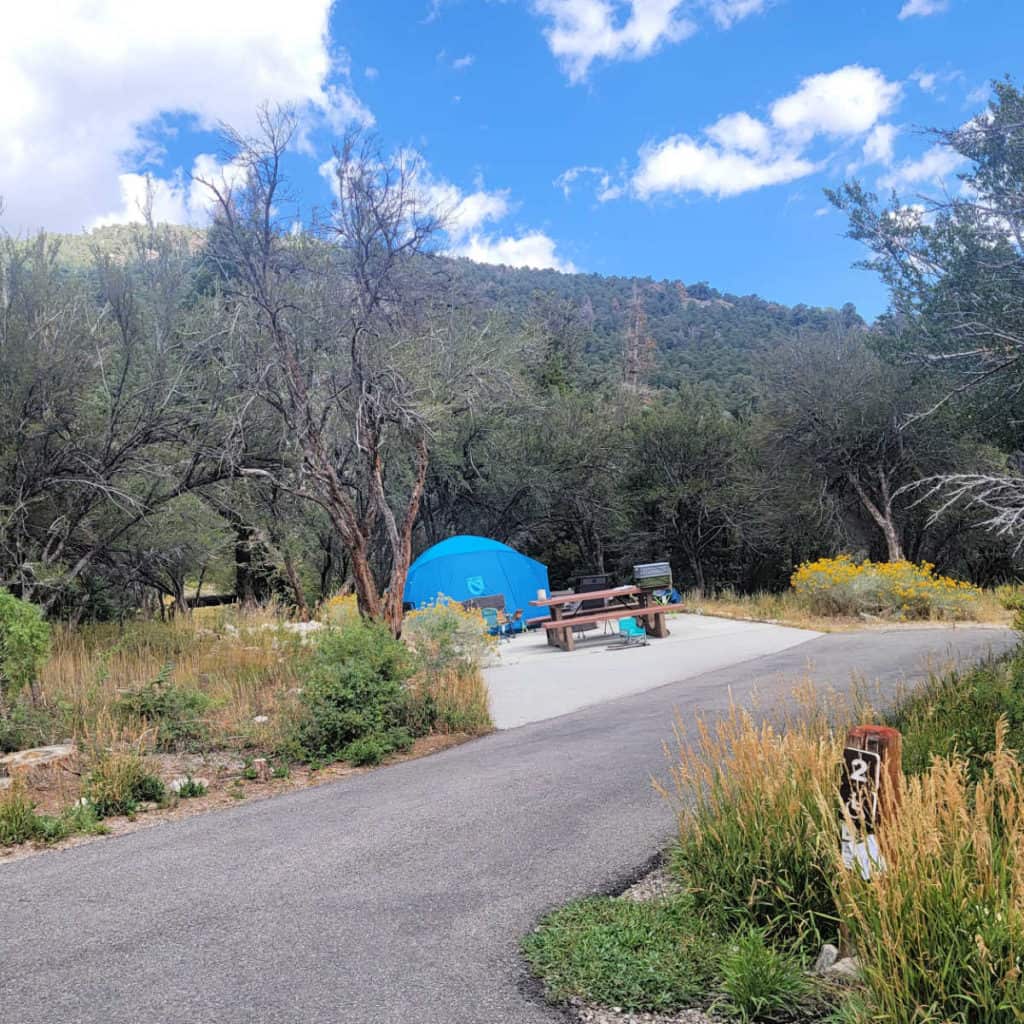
655	625
556	614
570	640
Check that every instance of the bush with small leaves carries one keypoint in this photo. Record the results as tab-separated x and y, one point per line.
175	711
354	689
24	644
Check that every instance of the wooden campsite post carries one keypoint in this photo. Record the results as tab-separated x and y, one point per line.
870	794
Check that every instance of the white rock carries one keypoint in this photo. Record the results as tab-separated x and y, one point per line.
845	970
826	958
183	780
260	719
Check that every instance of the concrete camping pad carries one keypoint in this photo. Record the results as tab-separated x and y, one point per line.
533	681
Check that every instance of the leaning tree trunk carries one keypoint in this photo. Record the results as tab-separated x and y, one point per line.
882	515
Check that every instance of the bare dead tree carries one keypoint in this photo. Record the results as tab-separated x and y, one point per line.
337	337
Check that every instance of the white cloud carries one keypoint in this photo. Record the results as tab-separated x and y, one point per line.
466	217
680	164
534	249
843	102
925	79
372	72
741	131
464	214
84	87
822	211
878	145
932	168
176	199
741	153
922	8
583	31
606	190
460	63
727	12
980	94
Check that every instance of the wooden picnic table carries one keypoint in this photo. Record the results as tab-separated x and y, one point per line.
653	620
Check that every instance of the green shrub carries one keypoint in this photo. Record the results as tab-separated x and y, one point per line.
755	845
374	748
354	689
119	782
24	644
191	788
19	822
654	955
760	983
957	714
25	726
175	711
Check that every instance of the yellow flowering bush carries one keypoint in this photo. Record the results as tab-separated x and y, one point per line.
339	610
444	632
841	586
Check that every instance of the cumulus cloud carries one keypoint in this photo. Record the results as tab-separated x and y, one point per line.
741	131
680	164
740	153
932	168
878	146
461	63
727	12
533	249
582	31
843	102
922	8
85	87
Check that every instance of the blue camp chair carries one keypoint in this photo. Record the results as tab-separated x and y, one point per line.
631	634
494	624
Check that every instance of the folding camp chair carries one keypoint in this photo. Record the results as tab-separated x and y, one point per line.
631	634
494	624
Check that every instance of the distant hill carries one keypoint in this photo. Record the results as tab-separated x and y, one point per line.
695	333
699	333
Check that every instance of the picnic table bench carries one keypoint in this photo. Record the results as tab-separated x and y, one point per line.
634	602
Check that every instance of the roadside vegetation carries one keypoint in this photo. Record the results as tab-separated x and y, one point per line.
761	886
153	707
836	593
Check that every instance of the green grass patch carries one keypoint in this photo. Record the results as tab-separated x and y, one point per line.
655	955
956	714
19	822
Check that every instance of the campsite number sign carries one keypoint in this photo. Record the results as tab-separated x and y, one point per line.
862	770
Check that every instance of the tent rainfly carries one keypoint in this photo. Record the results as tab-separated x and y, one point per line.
465	567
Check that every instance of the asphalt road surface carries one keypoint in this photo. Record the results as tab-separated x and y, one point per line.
397	897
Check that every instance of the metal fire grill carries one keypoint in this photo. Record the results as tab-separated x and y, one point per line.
653	576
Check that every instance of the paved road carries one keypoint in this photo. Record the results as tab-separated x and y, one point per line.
394	898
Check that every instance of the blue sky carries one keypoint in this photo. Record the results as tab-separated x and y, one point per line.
684	140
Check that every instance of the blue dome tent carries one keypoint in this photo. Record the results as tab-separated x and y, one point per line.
466	567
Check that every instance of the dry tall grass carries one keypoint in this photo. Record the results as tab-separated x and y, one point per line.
755	845
246	664
940	931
